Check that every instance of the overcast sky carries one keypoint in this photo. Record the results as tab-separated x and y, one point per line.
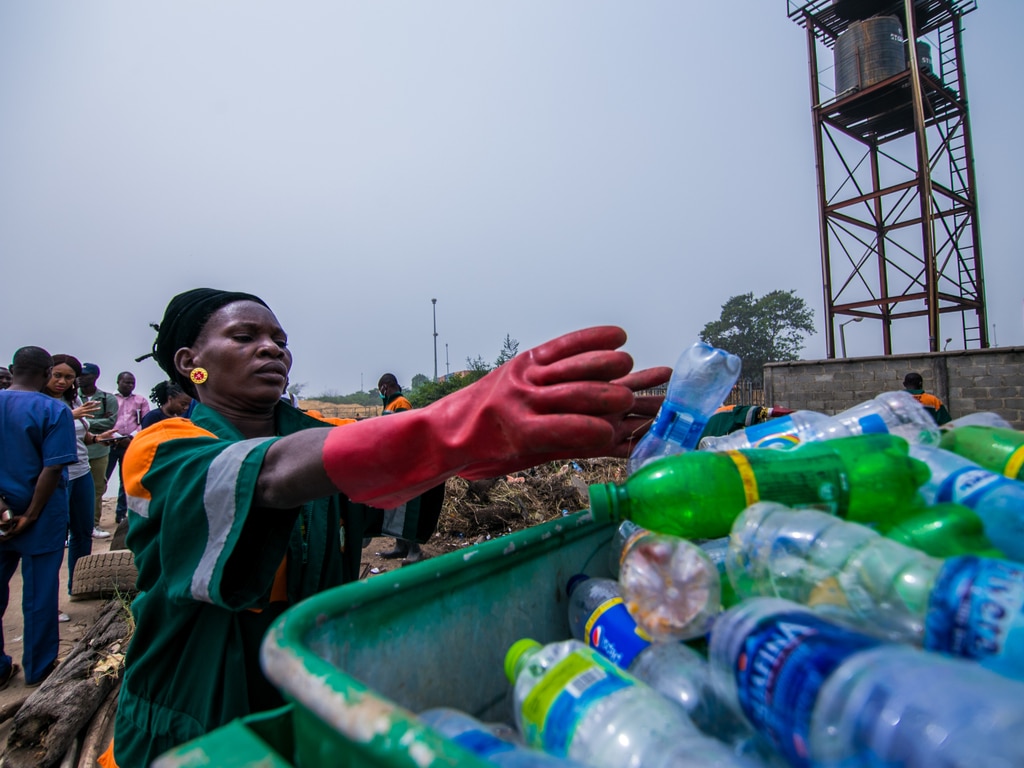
536	166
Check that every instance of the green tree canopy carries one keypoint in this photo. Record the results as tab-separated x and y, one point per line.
419	380
765	330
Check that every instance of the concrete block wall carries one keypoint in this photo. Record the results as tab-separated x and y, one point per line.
967	381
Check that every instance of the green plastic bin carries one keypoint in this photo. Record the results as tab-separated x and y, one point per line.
358	661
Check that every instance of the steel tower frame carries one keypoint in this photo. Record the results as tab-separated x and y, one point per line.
897	201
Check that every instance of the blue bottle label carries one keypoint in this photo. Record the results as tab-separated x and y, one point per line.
969	485
677	426
780	669
774	433
562	697
482	743
873	424
975	612
613	632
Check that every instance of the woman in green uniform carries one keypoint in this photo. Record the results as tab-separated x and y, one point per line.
242	510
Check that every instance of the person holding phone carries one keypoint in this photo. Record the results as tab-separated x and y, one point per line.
99	450
61	385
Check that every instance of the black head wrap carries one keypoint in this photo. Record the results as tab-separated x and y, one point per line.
184	318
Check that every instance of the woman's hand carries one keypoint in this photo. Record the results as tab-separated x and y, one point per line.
573	397
88	408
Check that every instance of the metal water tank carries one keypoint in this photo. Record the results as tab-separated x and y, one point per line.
868	52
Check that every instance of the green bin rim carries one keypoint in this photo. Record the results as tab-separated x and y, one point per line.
352	708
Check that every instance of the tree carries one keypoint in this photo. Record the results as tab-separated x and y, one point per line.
419	380
509	349
765	330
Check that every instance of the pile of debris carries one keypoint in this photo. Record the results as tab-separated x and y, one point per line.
481	509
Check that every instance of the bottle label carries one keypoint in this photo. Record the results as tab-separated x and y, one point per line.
818	481
680	427
780	669
968	486
482	743
559	700
1014	463
774	433
975	612
612	632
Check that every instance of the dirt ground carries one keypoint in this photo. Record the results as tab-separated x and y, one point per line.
472	512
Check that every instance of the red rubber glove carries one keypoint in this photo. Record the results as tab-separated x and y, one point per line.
569	398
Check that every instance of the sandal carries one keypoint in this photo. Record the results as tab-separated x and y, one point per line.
6	679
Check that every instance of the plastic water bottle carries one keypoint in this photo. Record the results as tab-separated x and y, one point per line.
698	495
624	535
827	695
994	448
701	381
962	606
997	500
670	586
895	413
486	741
598	618
781	432
572	702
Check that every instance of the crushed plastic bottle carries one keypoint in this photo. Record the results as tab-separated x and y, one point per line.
700	382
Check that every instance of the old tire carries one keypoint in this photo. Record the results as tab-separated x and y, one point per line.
106	574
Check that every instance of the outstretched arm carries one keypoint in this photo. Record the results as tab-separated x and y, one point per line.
572	397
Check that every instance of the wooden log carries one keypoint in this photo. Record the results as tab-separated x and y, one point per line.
51	718
101	731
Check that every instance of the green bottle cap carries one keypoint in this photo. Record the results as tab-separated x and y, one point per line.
518	649
604	502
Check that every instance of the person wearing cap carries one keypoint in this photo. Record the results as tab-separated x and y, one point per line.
913	383
99	451
418	517
250	505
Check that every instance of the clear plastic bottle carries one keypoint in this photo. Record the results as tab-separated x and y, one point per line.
962	606
598	618
895	413
572	702
896	705
702	379
670	586
997	500
780	432
827	695
488	741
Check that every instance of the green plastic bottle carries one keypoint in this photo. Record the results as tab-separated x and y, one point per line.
944	530
995	448
698	495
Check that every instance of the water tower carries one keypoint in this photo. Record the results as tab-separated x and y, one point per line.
897	201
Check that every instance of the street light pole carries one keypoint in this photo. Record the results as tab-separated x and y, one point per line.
842	333
447	368
434	303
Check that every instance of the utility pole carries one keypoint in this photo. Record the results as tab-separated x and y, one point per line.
434	303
